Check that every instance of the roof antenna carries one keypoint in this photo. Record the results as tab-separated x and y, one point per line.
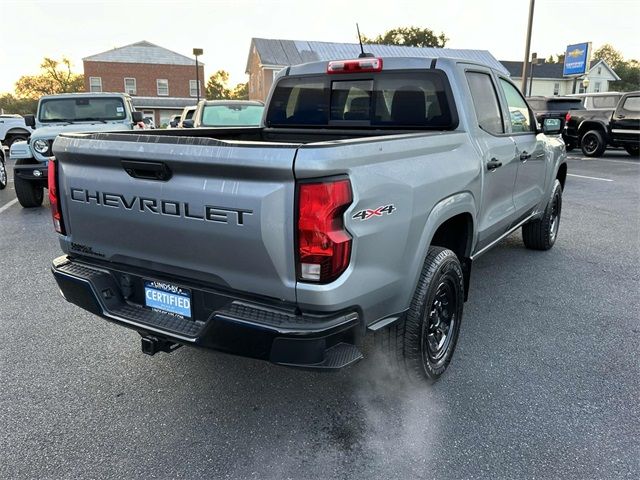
362	52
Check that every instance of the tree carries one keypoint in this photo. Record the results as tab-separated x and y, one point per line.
410	37
627	70
558	58
240	92
21	106
217	88
609	55
56	77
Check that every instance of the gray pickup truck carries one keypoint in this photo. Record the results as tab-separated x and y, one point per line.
352	214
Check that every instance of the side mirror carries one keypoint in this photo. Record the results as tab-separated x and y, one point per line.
551	126
137	117
30	121
187	124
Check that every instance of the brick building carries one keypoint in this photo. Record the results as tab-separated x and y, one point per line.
161	82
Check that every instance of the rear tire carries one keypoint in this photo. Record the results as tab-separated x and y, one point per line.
542	233
633	151
593	144
423	341
29	194
18	137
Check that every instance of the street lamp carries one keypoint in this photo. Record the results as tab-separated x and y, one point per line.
196	52
585	83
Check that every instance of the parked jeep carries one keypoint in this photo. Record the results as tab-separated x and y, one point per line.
13	129
69	112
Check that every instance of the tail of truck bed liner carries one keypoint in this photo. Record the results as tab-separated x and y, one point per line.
205	209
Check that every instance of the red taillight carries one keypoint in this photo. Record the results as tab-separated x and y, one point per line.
355	66
324	246
567	117
54	197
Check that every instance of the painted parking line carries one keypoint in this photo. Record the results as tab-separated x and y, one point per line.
606	160
8	205
590	178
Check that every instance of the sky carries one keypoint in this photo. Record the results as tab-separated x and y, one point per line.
34	29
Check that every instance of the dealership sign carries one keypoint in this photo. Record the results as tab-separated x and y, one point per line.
576	59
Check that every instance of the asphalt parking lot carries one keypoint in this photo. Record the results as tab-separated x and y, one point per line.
545	382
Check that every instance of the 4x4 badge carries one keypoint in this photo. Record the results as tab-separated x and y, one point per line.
378	212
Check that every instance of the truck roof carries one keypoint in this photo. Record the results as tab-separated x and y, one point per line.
391	63
86	94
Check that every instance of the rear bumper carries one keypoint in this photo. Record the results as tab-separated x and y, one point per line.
221	320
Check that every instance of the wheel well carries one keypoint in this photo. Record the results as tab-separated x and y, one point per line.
456	234
586	126
17	131
562	174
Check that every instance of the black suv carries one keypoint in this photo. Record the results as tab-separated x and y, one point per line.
556	107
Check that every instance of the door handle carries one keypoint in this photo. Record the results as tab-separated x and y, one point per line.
524	156
493	164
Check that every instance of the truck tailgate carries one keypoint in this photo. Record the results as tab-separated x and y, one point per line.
220	212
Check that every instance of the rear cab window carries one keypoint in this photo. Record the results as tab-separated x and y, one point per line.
485	102
393	99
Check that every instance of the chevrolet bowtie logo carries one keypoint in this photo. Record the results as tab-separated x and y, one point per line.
576	52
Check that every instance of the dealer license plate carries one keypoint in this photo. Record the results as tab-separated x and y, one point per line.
167	298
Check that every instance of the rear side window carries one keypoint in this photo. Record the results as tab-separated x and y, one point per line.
632	104
485	102
562	105
519	114
605	101
385	100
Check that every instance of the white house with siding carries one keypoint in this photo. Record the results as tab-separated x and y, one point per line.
548	79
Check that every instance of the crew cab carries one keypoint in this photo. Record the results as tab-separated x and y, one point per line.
67	112
351	215
594	130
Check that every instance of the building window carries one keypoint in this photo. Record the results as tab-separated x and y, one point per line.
163	87
556	88
130	86
193	88
596	87
599	70
95	84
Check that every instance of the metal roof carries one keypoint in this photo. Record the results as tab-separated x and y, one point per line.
282	53
142	52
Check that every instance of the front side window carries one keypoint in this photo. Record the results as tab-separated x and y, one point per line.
519	114
388	100
193	88
162	87
130	86
485	102
95	84
81	109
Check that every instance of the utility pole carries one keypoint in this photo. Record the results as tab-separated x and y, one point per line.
525	64
196	52
534	61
